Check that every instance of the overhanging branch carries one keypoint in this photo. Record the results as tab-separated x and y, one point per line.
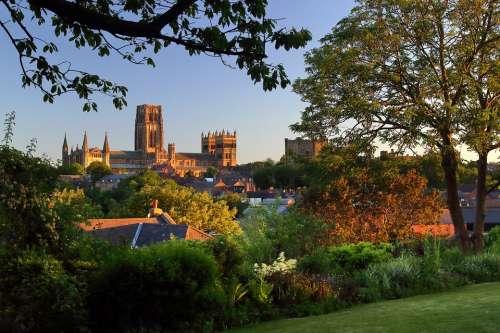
74	13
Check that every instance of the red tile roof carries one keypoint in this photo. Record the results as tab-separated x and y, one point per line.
111	223
149	229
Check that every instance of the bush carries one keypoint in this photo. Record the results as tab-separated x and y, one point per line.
170	287
267	232
299	288
38	296
319	262
345	259
352	257
228	255
410	275
394	279
492	240
484	267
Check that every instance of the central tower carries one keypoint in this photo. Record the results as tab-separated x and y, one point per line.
149	128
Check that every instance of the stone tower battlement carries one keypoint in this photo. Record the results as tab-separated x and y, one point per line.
219	134
221	145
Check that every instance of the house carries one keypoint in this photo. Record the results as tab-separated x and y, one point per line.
232	184
492	218
467	194
227	181
280	204
110	182
76	180
140	231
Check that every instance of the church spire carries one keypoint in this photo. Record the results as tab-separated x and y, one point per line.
85	145
65	143
105	147
65	155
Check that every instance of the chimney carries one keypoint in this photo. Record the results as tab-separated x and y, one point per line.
154	210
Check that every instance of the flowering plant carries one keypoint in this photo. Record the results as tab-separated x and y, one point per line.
280	265
261	289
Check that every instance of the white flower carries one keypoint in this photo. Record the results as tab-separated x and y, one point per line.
280	265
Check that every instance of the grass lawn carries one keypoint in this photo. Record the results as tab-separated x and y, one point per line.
472	309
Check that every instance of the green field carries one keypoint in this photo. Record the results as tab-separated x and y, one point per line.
472	309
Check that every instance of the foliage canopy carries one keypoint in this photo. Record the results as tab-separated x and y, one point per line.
134	30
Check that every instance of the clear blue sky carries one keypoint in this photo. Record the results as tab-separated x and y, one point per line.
197	94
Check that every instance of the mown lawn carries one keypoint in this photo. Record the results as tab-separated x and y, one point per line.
471	309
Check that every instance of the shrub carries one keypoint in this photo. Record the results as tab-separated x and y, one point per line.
484	267
171	286
267	232
295	233
393	279
492	240
299	288
410	275
319	262
352	257
345	259
38	296
228	255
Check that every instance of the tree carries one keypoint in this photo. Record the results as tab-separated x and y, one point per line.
97	170
25	217
211	172
239	30
32	214
71	169
287	176
357	209
483	136
234	201
263	177
397	71
481	74
185	205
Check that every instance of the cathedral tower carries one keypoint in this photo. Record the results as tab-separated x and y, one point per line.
149	129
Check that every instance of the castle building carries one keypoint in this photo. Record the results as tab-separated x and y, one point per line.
302	148
217	149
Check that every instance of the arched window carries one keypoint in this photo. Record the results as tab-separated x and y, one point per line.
151	138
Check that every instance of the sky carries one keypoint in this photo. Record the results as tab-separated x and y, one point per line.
197	93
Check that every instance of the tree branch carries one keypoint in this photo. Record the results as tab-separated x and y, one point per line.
493	187
74	13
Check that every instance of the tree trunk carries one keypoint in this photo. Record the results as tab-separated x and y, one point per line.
450	165
477	236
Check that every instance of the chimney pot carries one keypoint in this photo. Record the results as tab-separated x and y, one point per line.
154	210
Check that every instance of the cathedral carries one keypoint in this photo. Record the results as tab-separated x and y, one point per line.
217	149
